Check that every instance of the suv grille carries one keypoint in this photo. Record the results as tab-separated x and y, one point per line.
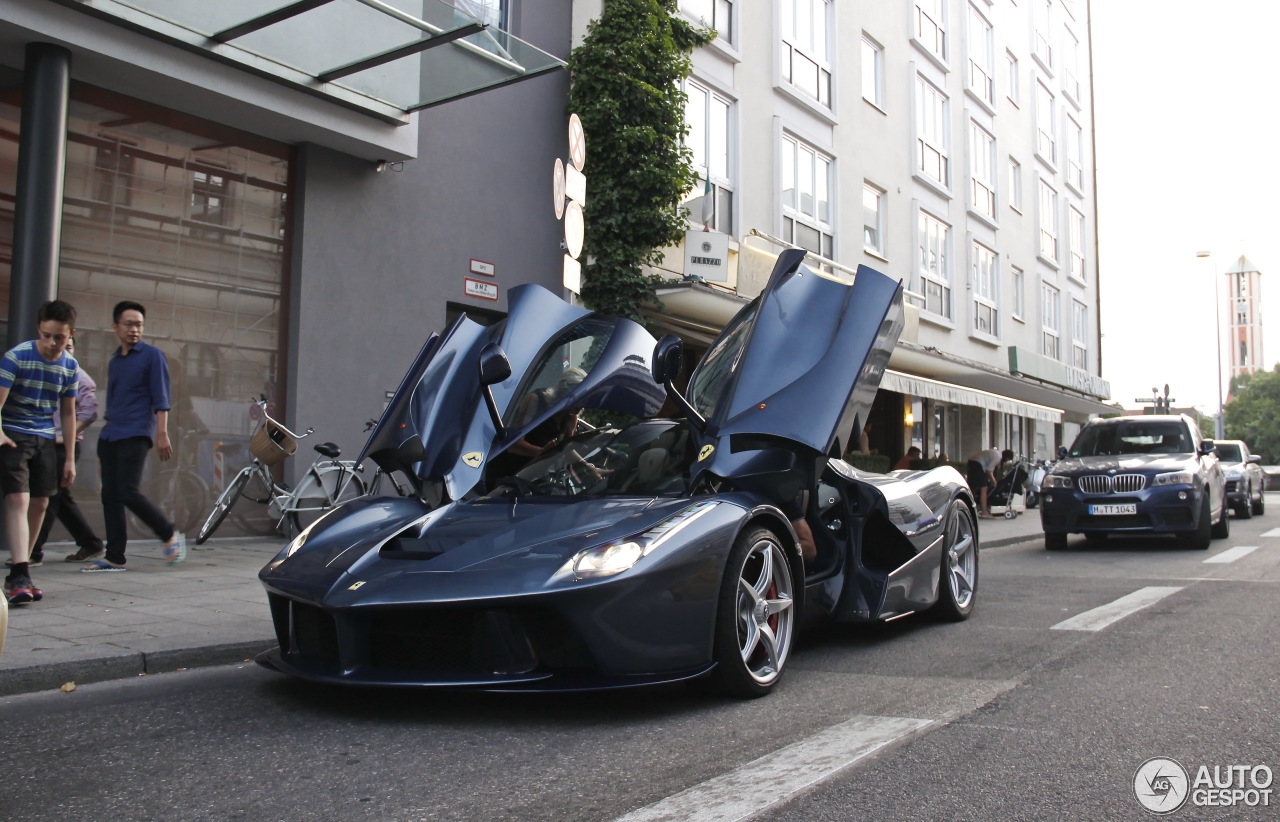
1119	484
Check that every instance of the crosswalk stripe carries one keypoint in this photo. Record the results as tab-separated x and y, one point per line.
1104	615
774	778
1274	532
1233	554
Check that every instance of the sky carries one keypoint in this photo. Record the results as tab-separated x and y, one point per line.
1188	160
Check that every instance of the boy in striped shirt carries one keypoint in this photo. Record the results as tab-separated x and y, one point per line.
37	379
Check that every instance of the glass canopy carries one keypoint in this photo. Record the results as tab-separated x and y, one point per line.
385	57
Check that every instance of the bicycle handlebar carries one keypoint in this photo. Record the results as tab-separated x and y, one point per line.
261	402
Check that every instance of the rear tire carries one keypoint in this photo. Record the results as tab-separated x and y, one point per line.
319	493
755	616
958	584
223	505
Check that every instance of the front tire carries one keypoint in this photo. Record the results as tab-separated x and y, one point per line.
222	507
958	585
1032	500
1198	540
1222	528
1259	507
755	617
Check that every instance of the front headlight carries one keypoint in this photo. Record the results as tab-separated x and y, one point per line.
620	555
1173	478
1234	472
1057	481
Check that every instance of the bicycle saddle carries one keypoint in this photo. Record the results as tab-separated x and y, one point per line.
329	450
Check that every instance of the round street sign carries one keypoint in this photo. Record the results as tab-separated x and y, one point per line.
577	142
557	185
575	229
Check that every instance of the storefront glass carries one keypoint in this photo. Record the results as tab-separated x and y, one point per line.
191	220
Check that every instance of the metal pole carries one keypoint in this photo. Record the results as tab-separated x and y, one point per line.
42	155
1218	427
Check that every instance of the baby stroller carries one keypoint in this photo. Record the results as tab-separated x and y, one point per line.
1007	497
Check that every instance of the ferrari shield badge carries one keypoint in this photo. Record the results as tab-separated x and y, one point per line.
707	450
473	458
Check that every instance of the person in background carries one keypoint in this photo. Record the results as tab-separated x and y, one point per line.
137	416
982	475
913	454
62	506
37	380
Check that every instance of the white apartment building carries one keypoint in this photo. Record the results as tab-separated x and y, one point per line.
944	142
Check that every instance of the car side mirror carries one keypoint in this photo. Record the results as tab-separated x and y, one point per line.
1255	459
494	368
494	365
668	362
1062	452
1207	447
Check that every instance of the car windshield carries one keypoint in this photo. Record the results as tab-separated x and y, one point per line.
1132	437
1228	452
646	459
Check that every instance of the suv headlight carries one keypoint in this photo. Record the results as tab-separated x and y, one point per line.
1234	472
1057	481
1173	478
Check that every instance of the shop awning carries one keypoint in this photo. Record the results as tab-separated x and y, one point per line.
386	59
947	392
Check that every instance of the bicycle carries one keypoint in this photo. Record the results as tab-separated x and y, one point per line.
177	487
329	481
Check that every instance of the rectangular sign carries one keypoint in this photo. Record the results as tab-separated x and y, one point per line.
481	289
572	275
481	267
575	185
706	253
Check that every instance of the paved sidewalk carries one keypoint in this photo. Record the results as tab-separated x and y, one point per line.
208	610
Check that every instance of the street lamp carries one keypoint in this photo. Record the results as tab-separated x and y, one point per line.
1218	430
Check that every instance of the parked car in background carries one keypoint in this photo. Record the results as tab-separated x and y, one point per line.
1246	481
1137	475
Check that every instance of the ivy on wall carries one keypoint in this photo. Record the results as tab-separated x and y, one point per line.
625	87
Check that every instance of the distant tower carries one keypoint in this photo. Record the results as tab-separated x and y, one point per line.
1244	305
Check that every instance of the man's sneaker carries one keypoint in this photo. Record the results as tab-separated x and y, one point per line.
101	566
176	551
85	554
20	591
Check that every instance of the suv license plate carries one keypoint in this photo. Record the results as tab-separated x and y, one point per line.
1105	510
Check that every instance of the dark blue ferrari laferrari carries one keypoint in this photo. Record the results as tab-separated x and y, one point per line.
538	552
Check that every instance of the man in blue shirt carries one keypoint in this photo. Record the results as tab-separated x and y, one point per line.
36	378
137	415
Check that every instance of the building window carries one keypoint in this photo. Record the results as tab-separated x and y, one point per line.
1075	236
806	197
709	118
872	72
493	12
932	107
1050	321
1015	185
986	314
1071	66
113	176
716	14
873	219
1046	143
982	166
1079	335
1043	41
806	62
934	265
931	27
1015	87
1019	294
981	58
1075	155
209	202
1048	222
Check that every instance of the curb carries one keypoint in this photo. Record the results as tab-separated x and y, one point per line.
53	675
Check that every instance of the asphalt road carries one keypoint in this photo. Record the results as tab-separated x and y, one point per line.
1003	717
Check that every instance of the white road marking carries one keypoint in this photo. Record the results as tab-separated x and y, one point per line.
1274	532
1102	616
776	777
1233	554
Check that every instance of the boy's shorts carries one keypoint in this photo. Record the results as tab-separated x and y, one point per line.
30	466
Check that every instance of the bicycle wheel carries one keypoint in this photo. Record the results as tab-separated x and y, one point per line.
323	488
223	505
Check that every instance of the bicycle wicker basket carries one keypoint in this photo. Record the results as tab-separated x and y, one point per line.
271	443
